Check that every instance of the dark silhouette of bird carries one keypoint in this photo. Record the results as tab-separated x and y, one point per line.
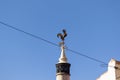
62	36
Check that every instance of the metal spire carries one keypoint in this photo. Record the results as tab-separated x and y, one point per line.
62	58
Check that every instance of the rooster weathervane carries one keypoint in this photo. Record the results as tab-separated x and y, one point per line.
62	36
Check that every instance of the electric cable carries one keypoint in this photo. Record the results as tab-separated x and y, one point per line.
87	56
27	33
47	41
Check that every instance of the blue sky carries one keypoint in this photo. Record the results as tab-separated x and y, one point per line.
93	28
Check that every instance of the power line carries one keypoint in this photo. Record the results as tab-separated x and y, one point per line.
78	53
32	35
47	41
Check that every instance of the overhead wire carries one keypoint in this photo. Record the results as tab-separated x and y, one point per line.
91	58
47	41
27	33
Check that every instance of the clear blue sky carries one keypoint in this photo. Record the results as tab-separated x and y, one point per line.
93	28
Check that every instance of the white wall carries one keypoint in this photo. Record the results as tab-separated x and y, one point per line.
110	74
